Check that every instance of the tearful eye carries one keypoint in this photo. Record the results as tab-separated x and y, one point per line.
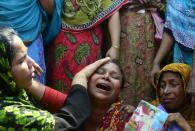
100	71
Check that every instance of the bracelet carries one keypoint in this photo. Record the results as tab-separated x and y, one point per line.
115	46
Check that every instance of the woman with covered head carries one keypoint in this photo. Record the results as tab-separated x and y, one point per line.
17	72
173	98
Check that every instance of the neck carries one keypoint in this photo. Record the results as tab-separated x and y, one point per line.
181	109
95	118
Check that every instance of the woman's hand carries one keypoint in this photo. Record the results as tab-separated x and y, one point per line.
126	111
154	73
179	120
38	70
113	52
82	76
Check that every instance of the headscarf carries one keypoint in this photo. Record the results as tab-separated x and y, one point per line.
24	16
180	19
183	69
16	111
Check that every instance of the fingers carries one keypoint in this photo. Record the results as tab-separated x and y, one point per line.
113	53
152	77
171	119
38	69
88	70
126	111
82	76
154	74
178	119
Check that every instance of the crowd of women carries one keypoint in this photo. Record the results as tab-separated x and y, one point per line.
62	43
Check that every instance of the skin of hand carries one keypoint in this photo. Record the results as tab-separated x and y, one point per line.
165	47
179	119
114	30
113	52
82	76
38	69
36	90
154	74
126	110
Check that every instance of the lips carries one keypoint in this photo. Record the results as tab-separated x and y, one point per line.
103	86
168	100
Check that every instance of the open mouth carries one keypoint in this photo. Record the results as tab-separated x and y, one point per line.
103	87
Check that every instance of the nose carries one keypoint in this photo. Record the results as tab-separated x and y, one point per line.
30	63
167	89
106	76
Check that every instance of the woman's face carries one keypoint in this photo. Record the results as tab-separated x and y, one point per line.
22	69
171	92
105	83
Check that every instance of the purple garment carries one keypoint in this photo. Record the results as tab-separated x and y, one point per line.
174	126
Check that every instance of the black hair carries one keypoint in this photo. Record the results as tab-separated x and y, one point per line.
7	38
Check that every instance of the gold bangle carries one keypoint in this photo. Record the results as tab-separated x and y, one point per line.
115	46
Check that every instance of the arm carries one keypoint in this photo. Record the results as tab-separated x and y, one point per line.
36	90
48	6
52	99
114	30
75	111
165	47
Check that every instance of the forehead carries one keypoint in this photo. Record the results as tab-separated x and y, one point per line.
111	66
170	76
19	45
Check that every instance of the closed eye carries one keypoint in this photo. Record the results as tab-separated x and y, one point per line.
21	60
100	71
115	76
